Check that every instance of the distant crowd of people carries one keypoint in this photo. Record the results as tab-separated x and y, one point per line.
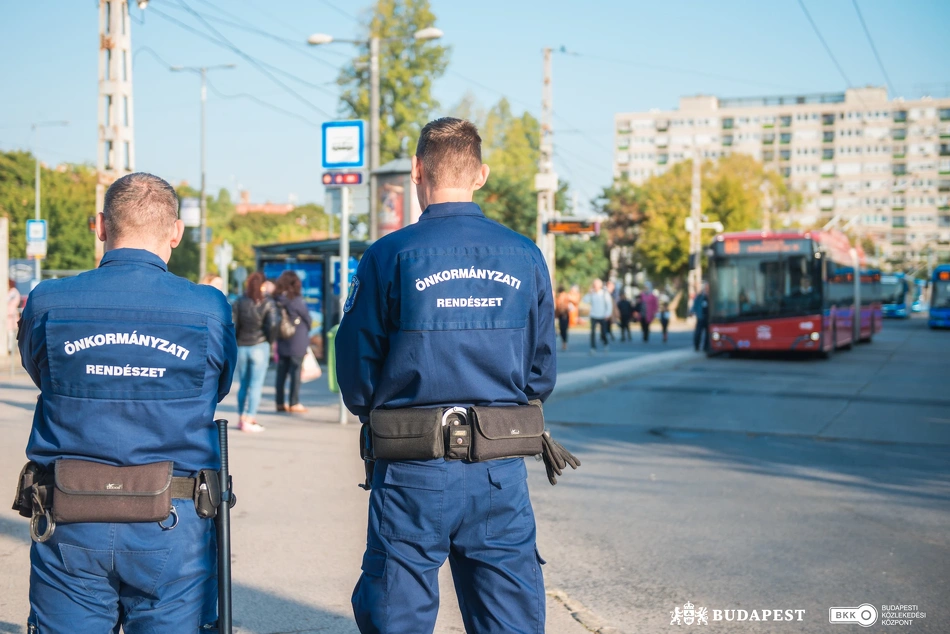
610	305
272	323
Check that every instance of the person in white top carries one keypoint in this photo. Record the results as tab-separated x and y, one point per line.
601	308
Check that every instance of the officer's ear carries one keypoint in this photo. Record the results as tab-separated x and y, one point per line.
178	233
482	177
101	227
416	173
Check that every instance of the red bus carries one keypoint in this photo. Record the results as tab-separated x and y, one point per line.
790	291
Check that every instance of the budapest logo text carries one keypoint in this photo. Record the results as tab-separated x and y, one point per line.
689	614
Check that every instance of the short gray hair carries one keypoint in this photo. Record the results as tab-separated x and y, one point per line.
140	204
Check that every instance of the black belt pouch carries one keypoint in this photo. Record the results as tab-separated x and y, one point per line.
506	432
93	492
407	434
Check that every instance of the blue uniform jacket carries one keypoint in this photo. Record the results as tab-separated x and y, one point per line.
131	361
453	310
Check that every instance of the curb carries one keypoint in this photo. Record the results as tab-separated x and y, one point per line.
606	374
581	614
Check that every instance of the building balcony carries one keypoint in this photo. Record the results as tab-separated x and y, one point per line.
827	119
898	156
900	116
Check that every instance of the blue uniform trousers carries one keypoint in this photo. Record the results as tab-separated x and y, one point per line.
90	578
479	516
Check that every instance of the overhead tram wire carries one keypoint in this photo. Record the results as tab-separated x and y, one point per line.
523	105
214	89
290	43
671	69
821	38
256	63
340	11
877	56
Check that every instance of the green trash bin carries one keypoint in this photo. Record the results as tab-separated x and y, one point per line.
331	359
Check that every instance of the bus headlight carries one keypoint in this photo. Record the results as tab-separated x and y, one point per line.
716	336
815	336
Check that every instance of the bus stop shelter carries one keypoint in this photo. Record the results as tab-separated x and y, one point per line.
317	263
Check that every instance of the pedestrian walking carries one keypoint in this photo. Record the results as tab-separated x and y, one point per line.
625	312
291	350
256	319
213	280
13	314
611	289
663	301
700	308
601	308
648	310
562	311
450	358
130	361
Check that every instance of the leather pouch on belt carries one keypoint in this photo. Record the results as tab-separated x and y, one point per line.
506	432
407	434
92	492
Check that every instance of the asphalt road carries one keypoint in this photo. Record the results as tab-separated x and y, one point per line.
731	483
772	483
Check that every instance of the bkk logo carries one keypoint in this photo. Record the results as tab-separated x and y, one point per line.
689	614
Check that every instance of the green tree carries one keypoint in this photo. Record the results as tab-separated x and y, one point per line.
510	143
510	201
733	193
580	259
407	68
68	198
622	203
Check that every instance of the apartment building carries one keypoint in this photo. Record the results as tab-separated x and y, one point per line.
882	165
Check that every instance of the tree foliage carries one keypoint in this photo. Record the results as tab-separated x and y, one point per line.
407	68
67	199
651	218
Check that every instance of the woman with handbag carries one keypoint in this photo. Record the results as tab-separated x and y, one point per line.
256	320
292	346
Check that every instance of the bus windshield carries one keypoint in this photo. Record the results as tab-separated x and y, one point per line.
749	287
940	295
893	289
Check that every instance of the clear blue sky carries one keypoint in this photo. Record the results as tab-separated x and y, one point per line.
726	48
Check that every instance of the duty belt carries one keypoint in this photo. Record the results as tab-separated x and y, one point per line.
475	433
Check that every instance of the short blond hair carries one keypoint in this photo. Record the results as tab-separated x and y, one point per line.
140	204
450	151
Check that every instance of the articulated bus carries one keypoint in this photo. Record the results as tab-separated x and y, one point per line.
895	296
792	291
940	297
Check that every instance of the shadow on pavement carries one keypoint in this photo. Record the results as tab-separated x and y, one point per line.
908	473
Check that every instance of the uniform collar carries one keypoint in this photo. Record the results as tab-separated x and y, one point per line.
132	256
442	210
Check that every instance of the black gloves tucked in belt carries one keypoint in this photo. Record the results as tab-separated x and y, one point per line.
556	457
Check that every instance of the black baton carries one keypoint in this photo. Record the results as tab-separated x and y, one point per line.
223	525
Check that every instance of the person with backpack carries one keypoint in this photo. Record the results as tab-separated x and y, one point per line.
256	319
293	341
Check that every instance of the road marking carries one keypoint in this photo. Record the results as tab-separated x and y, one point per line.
581	614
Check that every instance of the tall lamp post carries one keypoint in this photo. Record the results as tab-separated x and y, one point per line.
319	39
203	238
36	158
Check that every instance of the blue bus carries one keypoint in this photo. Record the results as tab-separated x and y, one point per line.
940	297
894	296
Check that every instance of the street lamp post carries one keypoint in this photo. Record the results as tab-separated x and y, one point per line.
203	223
319	39
36	201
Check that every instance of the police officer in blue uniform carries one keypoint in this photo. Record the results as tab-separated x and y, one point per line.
451	312
131	361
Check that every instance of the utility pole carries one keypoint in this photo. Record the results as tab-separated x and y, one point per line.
202	71
373	136
36	182
545	182
116	152
695	247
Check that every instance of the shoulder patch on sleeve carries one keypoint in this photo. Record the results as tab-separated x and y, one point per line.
351	295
